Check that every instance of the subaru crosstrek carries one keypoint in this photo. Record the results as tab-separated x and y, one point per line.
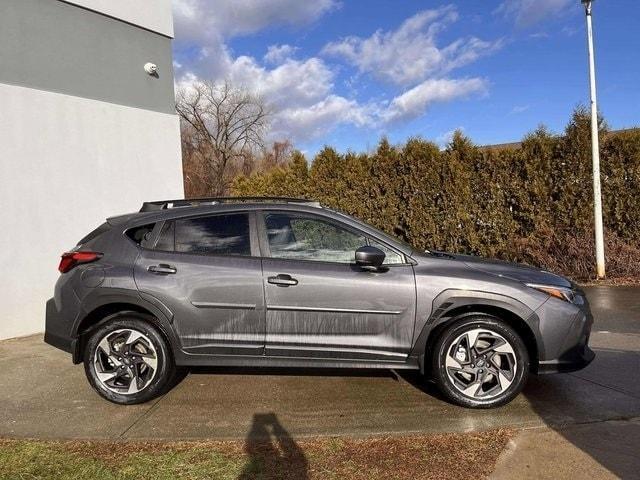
289	283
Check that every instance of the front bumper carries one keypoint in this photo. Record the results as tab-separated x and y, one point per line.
573	360
564	329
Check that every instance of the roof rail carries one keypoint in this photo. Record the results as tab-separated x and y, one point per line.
193	202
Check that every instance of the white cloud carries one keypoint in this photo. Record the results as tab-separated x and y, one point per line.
526	13
538	35
290	88
295	82
446	138
279	53
301	95
519	109
206	24
414	102
301	92
298	92
410	54
315	120
199	19
570	30
211	59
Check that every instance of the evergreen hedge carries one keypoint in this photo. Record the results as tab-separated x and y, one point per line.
530	203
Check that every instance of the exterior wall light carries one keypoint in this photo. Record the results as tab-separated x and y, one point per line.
151	69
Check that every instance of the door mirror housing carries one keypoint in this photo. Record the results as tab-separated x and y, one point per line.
369	256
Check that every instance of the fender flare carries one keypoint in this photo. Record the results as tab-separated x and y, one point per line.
100	298
450	301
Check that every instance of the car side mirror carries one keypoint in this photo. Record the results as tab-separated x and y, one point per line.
369	256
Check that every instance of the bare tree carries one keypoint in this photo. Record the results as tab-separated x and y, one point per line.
223	128
277	155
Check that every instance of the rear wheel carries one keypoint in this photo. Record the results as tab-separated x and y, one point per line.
480	362
127	360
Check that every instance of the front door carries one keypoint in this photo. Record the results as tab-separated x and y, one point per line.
206	270
320	304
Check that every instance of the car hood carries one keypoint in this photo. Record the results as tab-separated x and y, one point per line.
513	271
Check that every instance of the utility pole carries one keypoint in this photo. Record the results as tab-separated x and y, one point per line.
595	148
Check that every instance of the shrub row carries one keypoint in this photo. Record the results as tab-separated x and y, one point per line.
530	203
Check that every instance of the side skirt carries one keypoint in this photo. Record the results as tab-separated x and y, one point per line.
191	360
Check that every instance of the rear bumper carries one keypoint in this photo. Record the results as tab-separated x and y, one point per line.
57	329
59	341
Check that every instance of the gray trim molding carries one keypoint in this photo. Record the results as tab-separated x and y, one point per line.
241	306
333	310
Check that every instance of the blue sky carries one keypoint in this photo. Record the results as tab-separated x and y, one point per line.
346	72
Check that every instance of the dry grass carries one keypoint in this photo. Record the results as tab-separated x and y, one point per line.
455	456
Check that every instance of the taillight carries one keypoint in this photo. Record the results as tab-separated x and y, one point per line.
70	260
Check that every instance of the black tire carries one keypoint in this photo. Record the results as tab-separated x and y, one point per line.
159	380
445	345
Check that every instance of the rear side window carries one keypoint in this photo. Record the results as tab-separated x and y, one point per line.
215	235
104	228
166	238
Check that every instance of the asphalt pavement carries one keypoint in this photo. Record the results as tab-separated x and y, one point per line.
44	396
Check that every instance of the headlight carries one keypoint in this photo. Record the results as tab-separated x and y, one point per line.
563	293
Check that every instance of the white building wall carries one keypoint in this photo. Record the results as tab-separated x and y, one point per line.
67	163
153	15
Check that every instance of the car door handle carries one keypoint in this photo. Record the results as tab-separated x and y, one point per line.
283	280
162	269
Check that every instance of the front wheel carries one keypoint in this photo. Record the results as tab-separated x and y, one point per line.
127	360
480	362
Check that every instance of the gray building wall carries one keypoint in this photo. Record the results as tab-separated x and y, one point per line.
59	47
85	133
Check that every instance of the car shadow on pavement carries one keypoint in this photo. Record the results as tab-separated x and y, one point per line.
593	415
595	410
421	383
272	451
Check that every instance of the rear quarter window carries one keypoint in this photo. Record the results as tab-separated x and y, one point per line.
141	235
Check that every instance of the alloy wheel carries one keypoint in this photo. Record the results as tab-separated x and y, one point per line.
125	361
481	364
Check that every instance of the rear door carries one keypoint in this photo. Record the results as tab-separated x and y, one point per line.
207	271
320	304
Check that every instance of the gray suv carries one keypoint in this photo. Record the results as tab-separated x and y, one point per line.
283	282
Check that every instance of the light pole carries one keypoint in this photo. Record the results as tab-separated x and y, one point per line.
595	148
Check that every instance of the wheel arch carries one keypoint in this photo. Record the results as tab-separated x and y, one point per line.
513	320
108	307
450	307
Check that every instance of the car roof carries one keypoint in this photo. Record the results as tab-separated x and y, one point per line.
191	202
160	209
140	218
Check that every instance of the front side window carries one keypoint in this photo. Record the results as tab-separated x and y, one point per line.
214	235
391	257
310	238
